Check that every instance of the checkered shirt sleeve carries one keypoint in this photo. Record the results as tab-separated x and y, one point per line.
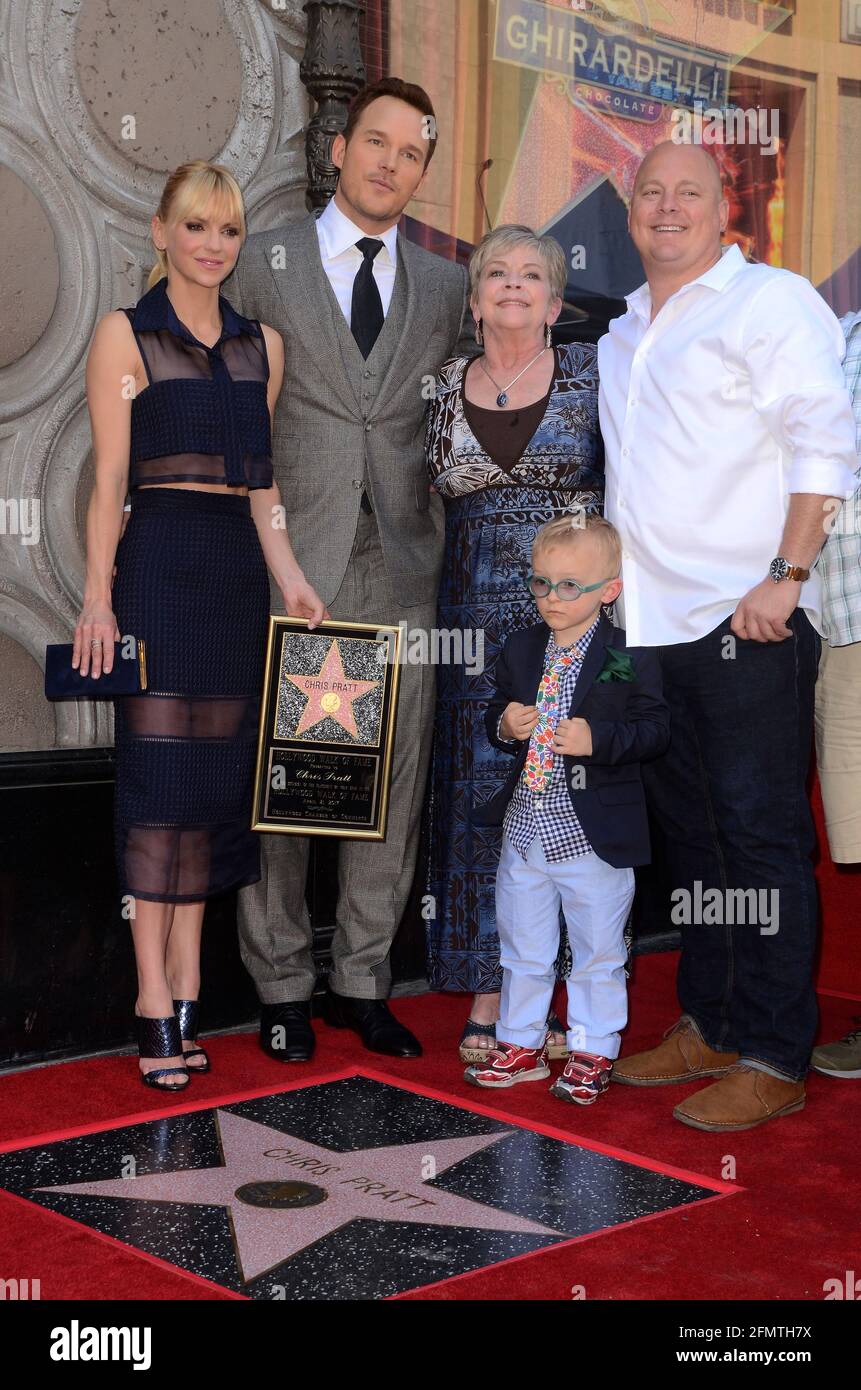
840	559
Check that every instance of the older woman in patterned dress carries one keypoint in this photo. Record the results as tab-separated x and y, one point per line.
513	441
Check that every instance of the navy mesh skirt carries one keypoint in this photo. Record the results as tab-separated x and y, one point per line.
192	582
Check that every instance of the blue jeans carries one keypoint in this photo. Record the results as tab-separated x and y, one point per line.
730	796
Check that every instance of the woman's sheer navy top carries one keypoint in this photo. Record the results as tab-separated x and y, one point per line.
203	418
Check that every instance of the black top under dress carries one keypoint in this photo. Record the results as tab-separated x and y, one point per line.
192	582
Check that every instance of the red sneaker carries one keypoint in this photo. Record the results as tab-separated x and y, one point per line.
507	1064
585	1078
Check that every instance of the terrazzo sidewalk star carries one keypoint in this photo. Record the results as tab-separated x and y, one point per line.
273	1219
351	1187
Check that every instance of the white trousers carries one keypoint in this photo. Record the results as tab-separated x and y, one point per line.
595	899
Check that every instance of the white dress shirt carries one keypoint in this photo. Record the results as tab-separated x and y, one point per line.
712	415
341	258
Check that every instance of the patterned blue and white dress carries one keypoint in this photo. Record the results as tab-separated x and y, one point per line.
492	514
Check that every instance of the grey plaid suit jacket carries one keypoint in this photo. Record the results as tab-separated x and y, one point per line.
337	423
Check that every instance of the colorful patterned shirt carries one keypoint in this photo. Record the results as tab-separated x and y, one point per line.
564	454
549	814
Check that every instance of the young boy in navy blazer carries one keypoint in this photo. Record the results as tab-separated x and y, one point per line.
579	711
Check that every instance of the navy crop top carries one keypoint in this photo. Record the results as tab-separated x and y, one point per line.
203	418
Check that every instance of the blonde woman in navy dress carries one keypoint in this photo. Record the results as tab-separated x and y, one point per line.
181	390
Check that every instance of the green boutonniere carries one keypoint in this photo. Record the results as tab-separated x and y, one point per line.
617	667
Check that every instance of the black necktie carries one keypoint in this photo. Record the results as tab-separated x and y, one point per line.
366	310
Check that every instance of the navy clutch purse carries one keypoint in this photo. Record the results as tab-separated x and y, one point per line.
62	682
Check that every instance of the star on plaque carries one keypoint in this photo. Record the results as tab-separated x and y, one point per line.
283	1194
330	693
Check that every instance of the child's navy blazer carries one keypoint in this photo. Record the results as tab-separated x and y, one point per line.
629	720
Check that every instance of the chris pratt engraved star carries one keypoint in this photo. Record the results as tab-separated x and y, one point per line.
330	693
283	1194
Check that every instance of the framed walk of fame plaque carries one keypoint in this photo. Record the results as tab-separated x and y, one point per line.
327	727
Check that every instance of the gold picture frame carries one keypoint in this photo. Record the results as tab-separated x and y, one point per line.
327	726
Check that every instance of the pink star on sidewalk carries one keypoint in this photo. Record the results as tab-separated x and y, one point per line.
263	1165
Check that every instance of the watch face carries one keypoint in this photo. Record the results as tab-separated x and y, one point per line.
778	568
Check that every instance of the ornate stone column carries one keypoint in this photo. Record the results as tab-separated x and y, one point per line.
333	72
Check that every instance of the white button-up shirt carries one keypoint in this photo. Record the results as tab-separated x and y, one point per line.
712	415
341	257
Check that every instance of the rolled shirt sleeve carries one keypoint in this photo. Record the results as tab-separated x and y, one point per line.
793	346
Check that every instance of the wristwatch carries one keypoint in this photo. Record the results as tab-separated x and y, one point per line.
782	569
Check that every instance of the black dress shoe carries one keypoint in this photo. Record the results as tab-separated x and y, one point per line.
374	1022
294	1041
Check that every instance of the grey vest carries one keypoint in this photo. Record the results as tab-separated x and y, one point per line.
365	374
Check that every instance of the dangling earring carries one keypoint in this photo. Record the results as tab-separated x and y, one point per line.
548	341
479	336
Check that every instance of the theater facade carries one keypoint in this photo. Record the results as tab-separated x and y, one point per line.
546	108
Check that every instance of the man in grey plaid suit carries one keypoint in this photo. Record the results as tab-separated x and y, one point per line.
367	319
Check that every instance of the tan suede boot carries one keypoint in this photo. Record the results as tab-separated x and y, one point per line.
682	1056
742	1099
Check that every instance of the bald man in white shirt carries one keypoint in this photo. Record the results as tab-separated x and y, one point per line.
729	445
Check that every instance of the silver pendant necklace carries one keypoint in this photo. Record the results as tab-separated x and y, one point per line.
502	398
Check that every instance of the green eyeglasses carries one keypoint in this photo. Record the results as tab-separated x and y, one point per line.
566	589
